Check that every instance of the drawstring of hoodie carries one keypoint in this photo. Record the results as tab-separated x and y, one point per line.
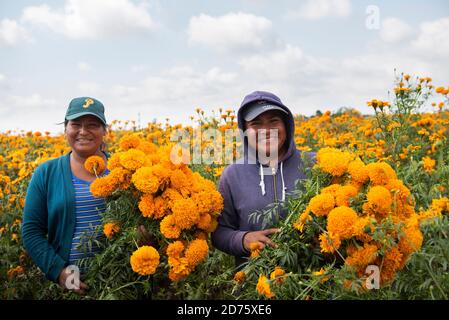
262	181
283	184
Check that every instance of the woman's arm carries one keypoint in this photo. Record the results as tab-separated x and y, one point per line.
227	237
34	229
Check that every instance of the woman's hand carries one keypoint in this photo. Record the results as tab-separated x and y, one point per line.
69	279
259	237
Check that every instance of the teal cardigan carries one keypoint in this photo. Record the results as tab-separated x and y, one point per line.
49	216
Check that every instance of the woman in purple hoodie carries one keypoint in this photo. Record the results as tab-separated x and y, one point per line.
269	169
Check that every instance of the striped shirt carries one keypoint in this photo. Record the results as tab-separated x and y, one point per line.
88	211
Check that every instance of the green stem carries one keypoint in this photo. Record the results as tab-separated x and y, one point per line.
127	285
436	282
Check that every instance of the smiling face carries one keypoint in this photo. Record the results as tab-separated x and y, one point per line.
85	135
261	133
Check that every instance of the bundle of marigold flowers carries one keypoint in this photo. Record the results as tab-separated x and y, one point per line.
179	206
365	214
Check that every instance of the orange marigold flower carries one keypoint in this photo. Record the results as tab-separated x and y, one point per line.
163	174
340	222
277	276
378	104
344	194
95	165
145	180
358	229
400	90
428	164
322	204
170	196
185	213
109	229
392	261
180	182
147	147
240	277
213	225
362	257
196	252
302	219
255	248
333	161
146	205
319	273
332	189
121	178
114	161
175	249
428	214
399	190
102	187
439	89
132	159
358	172
14	271
380	172
263	287
441	205
411	238
208	202
329	242
129	142
204	222
179	267
173	276
379	200
168	227
145	260
160	208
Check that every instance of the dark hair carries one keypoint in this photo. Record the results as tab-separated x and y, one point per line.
67	121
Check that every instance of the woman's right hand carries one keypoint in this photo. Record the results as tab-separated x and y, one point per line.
69	279
259	237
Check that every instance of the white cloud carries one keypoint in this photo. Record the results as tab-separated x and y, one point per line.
3	82
30	112
84	66
12	33
88	88
303	81
274	64
433	38
173	93
92	19
34	101
139	68
395	30
233	31
317	9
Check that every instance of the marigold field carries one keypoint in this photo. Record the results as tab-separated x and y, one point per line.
376	200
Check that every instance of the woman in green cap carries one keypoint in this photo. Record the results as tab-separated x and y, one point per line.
60	211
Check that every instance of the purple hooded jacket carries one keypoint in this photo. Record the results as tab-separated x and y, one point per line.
245	190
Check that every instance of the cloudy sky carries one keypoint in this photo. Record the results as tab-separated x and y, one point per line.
162	59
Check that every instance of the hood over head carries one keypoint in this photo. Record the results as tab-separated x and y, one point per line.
267	101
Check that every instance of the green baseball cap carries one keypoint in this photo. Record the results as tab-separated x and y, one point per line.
82	106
